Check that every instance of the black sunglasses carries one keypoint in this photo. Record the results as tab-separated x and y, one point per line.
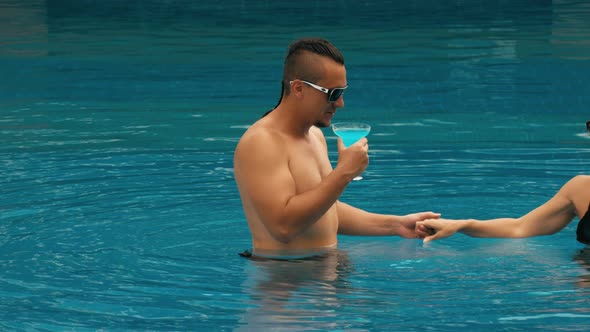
333	94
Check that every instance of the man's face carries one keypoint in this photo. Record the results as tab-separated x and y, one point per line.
335	77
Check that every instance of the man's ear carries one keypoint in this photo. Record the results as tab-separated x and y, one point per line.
297	88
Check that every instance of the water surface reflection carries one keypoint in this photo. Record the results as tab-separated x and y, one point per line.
290	294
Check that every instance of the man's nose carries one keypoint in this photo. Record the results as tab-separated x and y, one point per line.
339	103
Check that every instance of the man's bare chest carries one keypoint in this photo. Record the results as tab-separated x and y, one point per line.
308	164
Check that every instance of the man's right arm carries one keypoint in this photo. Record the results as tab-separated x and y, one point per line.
261	167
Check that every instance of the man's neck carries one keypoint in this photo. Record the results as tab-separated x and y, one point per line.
286	120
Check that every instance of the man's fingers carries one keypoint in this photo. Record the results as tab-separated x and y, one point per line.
340	144
430	215
423	224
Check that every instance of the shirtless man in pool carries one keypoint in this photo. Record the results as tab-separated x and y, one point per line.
288	188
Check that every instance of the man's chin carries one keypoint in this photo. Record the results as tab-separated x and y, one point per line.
322	124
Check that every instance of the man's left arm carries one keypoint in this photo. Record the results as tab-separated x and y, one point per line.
354	221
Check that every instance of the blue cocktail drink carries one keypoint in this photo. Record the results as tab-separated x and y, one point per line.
351	132
351	136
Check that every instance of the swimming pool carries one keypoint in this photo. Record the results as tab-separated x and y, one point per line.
117	128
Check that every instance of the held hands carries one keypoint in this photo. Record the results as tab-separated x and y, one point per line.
438	228
354	159
409	227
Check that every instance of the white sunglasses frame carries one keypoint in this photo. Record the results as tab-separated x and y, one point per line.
327	91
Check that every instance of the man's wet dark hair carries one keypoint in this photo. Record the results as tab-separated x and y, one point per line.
298	64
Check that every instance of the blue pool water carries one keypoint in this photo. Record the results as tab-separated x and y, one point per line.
118	120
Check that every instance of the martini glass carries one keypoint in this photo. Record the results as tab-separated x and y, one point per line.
351	132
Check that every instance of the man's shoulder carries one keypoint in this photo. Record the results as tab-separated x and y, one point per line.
259	131
259	150
258	137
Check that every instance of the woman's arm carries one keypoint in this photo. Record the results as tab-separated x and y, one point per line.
546	219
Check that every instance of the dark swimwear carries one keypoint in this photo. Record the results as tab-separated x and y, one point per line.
583	231
292	255
248	254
